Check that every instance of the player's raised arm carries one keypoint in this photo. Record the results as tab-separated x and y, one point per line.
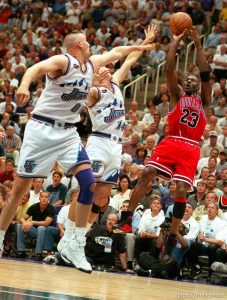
115	54
203	68
131	59
55	65
171	79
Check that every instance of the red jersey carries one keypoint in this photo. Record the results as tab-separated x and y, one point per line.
187	119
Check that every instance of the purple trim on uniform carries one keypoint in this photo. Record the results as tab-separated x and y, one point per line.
85	63
99	98
66	72
160	167
112	82
78	164
184	179
91	65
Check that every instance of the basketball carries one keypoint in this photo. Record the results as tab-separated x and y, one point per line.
179	22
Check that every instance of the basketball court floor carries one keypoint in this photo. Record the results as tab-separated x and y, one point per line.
24	280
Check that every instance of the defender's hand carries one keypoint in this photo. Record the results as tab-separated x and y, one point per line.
150	34
195	37
22	95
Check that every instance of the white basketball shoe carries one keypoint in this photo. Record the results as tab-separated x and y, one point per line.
74	252
62	243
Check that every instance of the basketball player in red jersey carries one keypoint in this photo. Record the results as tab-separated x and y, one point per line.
176	156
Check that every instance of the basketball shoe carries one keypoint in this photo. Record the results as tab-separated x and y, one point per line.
62	243
74	253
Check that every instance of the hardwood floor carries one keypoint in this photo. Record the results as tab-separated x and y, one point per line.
40	281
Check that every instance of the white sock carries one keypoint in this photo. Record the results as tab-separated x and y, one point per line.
2	235
69	229
80	231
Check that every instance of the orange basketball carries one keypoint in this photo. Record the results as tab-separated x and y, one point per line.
179	22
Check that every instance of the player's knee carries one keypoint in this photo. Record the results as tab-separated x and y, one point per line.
148	174
87	185
93	187
181	190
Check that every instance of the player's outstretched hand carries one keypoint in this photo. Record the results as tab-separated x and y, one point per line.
195	37
22	95
178	38
150	34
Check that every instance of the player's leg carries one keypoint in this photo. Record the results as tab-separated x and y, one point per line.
69	227
20	186
100	200
140	189
178	213
74	251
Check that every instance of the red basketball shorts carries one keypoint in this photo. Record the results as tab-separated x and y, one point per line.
176	158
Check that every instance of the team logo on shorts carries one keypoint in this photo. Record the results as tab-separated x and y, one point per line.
97	167
29	166
76	66
104	91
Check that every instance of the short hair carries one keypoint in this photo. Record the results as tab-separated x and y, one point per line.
46	192
202	182
58	173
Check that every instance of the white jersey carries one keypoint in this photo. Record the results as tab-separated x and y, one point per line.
64	96
108	114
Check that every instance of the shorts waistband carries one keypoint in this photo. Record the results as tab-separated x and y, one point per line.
54	123
112	137
184	140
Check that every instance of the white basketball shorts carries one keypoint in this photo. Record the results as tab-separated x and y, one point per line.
43	144
105	157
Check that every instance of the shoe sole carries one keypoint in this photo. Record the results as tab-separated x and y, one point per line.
70	262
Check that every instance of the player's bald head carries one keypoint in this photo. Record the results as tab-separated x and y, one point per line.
72	39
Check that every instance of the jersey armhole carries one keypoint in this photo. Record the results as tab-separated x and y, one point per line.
98	99
65	73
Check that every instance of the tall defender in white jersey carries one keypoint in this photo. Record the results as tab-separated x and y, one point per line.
50	135
106	108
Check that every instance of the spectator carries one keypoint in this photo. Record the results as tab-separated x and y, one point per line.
206	149
198	198
200	210
149	227
9	173
211	236
222	163
136	125
132	145
212	185
12	144
103	244
223	176
42	216
222	200
170	197
8	100
57	190
124	190
37	188
150	144
141	153
144	135
220	61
